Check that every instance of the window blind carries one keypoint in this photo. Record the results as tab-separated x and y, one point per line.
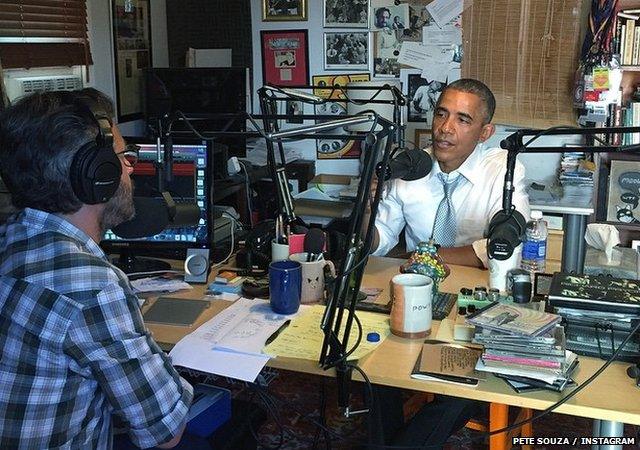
42	33
527	52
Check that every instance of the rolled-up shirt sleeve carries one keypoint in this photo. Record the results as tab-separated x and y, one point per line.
389	220
110	343
519	199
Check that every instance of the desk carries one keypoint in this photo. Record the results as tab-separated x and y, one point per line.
609	399
574	225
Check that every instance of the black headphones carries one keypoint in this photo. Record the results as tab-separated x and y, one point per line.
95	170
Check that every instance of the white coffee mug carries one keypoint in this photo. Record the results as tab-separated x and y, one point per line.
279	252
498	269
411	310
312	277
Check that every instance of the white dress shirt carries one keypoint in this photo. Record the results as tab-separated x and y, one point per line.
414	203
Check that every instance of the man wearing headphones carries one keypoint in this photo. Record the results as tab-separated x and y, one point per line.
75	351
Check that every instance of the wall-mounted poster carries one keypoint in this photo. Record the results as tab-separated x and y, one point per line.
423	95
285	57
132	53
346	13
346	50
284	10
336	148
624	190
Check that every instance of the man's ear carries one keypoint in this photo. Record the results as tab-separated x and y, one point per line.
487	131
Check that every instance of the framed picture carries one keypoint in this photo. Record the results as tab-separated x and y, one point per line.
423	138
346	13
132	54
284	10
285	57
336	148
624	187
346	50
395	17
423	95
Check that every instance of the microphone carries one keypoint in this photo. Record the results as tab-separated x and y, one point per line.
304	96
411	164
154	215
168	159
506	231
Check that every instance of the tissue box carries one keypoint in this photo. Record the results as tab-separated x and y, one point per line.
210	409
623	264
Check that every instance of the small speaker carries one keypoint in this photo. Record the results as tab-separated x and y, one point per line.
196	265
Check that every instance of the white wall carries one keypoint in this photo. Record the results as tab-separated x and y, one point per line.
540	169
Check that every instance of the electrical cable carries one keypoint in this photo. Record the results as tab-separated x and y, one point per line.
247	191
234	224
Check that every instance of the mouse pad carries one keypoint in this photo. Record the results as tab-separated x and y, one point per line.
175	311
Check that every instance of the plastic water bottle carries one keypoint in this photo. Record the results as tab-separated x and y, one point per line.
534	247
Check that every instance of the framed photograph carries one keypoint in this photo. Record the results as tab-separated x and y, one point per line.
284	10
418	18
285	57
346	50
336	148
423	95
395	17
423	138
132	54
346	13
624	187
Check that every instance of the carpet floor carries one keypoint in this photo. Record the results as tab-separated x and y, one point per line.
295	401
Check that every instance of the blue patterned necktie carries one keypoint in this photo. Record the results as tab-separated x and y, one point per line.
444	226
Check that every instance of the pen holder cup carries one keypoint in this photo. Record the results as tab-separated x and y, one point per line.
279	252
411	310
312	277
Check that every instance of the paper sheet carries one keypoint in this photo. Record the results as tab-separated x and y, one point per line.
303	338
415	54
159	284
443	11
231	343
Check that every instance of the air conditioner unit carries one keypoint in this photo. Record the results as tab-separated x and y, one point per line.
20	86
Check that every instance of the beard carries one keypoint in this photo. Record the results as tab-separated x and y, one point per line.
119	208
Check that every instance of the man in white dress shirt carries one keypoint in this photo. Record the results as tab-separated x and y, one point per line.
461	124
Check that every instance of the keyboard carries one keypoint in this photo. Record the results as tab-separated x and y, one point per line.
443	303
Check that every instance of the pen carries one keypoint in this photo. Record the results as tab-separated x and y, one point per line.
276	333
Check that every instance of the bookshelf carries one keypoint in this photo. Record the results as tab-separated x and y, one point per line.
630	80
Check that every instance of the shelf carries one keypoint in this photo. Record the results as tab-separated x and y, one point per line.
630	68
622	226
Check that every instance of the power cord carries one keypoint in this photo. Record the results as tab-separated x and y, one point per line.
234	223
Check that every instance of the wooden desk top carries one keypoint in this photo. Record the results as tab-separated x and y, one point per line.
610	397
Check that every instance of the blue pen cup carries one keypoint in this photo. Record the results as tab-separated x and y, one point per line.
285	286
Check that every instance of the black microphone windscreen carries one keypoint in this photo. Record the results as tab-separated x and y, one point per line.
151	217
411	164
187	214
314	241
421	162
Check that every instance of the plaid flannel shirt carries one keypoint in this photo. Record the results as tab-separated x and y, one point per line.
74	347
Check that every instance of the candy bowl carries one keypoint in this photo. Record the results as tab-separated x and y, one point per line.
426	261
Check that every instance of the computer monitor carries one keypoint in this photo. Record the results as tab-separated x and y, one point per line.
210	96
191	184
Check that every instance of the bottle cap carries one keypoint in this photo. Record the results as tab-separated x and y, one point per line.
536	214
373	337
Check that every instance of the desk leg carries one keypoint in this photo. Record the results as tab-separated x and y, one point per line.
498	418
573	245
607	428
